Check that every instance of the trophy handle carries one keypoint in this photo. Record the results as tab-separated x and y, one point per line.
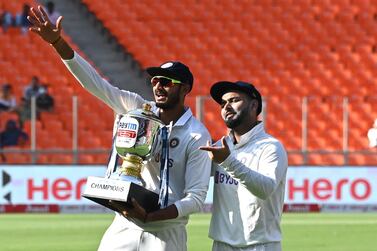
155	146
112	164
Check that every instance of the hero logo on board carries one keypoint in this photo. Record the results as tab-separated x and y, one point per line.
59	189
323	189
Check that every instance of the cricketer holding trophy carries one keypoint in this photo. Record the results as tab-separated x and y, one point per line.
185	181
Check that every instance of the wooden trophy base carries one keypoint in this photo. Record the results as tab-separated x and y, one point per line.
104	190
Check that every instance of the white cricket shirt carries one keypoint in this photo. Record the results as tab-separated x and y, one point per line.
372	136
189	167
249	191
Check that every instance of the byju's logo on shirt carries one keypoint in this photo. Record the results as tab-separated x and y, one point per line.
224	178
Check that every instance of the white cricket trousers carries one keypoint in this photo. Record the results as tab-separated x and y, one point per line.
119	238
272	246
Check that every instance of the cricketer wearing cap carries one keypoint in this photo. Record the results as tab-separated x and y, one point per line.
189	167
249	174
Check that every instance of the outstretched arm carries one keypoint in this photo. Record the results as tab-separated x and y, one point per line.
119	101
49	32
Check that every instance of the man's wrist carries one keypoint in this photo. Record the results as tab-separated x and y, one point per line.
56	41
62	47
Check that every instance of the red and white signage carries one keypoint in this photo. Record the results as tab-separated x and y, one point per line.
63	185
331	185
57	185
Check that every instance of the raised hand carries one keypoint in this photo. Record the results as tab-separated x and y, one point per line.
42	25
217	153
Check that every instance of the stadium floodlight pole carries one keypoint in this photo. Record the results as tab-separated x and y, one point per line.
33	143
75	129
304	129
345	130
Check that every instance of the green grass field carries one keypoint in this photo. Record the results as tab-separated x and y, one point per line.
79	232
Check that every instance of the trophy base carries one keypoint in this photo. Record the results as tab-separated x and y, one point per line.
104	190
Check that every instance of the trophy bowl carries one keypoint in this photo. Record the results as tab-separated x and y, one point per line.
136	135
135	141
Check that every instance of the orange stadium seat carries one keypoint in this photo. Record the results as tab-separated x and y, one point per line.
325	159
43	159
86	159
60	158
362	159
16	158
27	126
295	159
54	130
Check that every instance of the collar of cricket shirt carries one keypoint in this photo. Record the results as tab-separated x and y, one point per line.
184	118
251	135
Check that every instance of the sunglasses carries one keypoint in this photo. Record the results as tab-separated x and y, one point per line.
164	81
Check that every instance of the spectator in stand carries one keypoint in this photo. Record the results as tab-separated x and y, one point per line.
33	89
6	20
372	135
7	100
45	102
21	19
24	112
51	12
12	135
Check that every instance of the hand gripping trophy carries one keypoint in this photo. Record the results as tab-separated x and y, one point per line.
134	142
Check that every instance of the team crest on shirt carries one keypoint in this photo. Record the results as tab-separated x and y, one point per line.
174	142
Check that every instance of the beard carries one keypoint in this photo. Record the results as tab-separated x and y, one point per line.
237	119
171	102
166	106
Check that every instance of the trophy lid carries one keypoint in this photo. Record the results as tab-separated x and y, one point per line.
145	112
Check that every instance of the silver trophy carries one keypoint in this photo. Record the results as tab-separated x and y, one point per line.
135	141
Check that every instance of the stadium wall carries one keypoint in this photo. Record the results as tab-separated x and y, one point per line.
58	189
